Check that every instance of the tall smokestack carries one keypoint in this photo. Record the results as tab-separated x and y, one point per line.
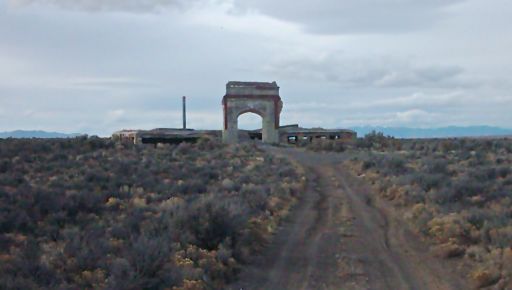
184	112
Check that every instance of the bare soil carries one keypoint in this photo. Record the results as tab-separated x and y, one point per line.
340	237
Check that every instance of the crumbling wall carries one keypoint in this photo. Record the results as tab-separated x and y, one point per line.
256	97
265	108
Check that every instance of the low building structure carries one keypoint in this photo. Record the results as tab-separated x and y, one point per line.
293	134
162	135
261	98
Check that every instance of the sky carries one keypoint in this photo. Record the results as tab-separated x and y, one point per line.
97	66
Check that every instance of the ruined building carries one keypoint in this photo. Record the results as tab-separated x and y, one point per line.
255	97
261	98
264	100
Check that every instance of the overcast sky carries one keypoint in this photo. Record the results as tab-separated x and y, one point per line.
96	66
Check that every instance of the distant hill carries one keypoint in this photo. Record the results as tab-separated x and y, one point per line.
36	134
443	132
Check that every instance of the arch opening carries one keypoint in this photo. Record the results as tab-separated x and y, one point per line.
249	125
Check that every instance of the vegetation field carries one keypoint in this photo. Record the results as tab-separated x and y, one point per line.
86	213
456	193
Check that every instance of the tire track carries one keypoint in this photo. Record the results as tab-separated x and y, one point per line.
338	237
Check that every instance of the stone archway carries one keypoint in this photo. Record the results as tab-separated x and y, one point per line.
256	97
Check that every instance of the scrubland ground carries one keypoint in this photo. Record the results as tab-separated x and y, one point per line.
380	214
91	214
455	194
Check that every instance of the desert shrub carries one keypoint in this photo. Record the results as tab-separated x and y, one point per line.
484	174
500	237
367	164
507	181
431	181
466	187
436	166
467	195
478	218
378	141
25	268
144	261
449	145
449	228
420	216
392	164
87	213
503	171
211	223
257	196
326	145
478	158
5	165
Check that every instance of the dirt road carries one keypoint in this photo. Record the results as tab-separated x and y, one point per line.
338	237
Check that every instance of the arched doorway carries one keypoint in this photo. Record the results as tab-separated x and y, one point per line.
260	98
249	125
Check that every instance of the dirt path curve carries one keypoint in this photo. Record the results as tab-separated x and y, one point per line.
337	237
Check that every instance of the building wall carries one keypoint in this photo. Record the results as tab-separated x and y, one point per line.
343	136
265	108
126	136
252	91
252	88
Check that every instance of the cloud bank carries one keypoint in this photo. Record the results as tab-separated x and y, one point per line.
137	6
354	16
100	66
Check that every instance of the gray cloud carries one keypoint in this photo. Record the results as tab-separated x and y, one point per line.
419	76
365	72
353	16
431	102
64	70
107	5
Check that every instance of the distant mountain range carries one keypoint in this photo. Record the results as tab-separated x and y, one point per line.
443	132
36	134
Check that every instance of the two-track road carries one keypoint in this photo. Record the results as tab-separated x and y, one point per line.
339	237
